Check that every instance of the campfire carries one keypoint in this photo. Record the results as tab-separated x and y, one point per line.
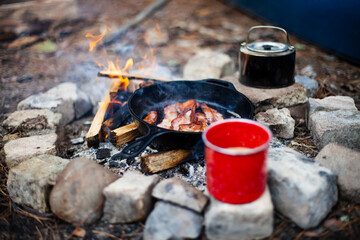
113	123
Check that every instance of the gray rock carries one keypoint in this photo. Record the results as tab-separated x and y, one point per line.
168	221
253	220
331	103
129	198
77	195
208	64
16	118
301	189
65	98
78	140
22	149
299	112
308	71
98	87
29	182
341	126
264	99
310	84
279	121
181	193
345	163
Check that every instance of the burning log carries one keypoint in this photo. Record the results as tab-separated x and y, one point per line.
156	162
92	136
113	110
111	74
124	134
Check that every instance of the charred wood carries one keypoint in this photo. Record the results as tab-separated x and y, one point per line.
124	134
156	162
130	76
92	136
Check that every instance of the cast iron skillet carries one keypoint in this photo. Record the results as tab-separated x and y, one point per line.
217	94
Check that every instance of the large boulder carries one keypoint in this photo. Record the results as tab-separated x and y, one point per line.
168	221
19	150
181	193
129	198
345	163
77	195
279	121
331	103
66	98
341	126
253	220
29	182
264	99
208	64
301	189
17	118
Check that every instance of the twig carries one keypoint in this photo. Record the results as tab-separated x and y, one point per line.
299	235
140	17
278	229
106	234
129	76
39	232
28	214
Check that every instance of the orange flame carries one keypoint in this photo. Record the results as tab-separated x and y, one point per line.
120	82
96	39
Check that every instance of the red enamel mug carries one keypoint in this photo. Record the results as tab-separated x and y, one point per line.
235	156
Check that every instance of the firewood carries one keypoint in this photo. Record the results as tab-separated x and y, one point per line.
124	134
92	136
156	162
140	17
129	76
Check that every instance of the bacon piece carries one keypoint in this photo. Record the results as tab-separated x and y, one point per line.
217	116
191	127
200	119
151	117
186	106
211	114
166	123
181	119
170	114
183	116
208	114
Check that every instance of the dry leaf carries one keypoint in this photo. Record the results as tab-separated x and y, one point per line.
79	232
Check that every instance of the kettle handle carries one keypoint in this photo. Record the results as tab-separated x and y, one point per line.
269	27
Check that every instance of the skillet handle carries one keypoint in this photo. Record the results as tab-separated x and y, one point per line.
137	146
220	83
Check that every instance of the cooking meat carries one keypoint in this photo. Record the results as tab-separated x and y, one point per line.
200	119
151	117
180	120
170	114
211	114
191	127
208	114
186	106
217	116
186	116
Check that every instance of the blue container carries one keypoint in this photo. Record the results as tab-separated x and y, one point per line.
332	24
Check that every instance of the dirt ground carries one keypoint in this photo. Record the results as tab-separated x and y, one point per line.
36	55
